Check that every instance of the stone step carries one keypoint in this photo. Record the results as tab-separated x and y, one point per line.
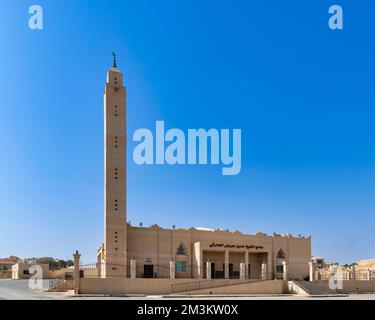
315	288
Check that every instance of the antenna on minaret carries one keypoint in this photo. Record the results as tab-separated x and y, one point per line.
114	60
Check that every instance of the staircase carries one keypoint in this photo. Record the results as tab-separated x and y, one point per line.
313	288
318	288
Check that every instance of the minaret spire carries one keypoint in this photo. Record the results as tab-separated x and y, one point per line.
114	60
114	254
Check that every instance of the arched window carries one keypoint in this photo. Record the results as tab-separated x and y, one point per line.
181	250
281	254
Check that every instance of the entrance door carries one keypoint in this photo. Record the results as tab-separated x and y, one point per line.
231	273
249	271
213	270
148	271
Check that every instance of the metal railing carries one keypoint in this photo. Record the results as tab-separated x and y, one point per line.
302	283
363	275
96	270
99	270
60	280
55	283
311	286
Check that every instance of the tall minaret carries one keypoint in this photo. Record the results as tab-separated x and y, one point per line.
115	242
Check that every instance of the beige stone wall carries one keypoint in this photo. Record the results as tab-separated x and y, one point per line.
364	265
53	274
127	285
255	261
6	274
18	271
214	257
158	246
299	254
112	286
357	286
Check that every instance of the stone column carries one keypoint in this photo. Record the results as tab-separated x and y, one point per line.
368	276
263	275
270	267
226	264
285	270
246	264
76	257
352	273
208	270
133	268
172	269
242	271
312	267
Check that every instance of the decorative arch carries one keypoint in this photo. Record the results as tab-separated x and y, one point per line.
181	250
281	254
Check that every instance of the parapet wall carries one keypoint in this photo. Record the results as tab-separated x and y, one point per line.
112	286
357	286
127	286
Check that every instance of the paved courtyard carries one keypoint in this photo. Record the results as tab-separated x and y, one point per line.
19	290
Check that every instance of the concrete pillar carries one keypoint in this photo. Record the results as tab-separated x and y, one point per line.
242	271
285	270
76	258
208	270
133	268
246	264
172	269
263	275
352	273
226	264
270	267
312	267
368	275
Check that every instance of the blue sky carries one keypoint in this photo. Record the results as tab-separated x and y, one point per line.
302	94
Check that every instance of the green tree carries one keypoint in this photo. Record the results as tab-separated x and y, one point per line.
69	263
